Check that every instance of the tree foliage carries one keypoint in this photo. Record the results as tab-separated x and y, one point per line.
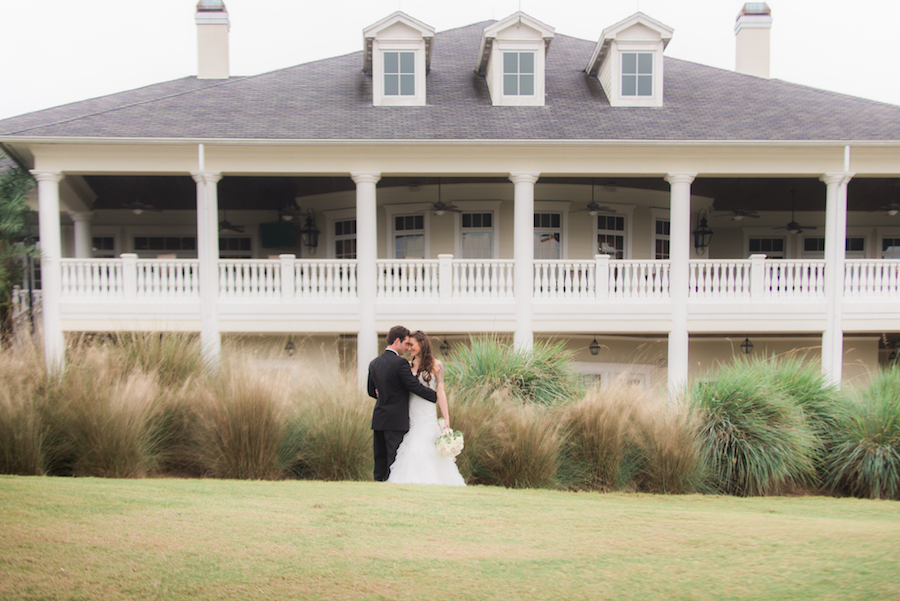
15	183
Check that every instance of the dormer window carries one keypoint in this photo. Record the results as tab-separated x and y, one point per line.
399	73
397	56
518	73
637	74
511	59
628	61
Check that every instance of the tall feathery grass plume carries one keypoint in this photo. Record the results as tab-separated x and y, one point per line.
864	459
24	438
542	375
754	437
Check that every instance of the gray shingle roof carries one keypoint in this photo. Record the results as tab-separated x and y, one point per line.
332	100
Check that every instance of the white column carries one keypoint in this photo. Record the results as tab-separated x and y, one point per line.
83	241
208	257
51	269
835	255
366	270
523	253
679	271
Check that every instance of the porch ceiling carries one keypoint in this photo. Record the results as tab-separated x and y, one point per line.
270	193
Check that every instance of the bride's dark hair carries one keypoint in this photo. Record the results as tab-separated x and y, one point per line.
426	358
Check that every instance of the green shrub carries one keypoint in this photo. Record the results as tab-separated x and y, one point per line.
754	437
543	375
864	459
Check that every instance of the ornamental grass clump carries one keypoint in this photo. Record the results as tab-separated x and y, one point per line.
754	437
543	375
670	454
864	459
23	430
332	431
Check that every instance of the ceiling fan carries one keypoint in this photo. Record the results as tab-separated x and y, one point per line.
738	214
592	208
892	208
792	226
137	207
439	207
226	225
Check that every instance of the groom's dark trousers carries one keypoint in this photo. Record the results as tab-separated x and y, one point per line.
390	382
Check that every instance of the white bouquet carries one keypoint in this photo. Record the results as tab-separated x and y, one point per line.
450	443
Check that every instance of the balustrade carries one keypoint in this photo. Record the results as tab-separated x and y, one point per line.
720	279
407	278
91	277
794	279
325	278
638	279
564	279
167	278
473	278
871	277
249	278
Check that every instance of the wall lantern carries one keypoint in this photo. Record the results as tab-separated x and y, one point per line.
594	347
445	347
702	235
289	348
746	346
309	233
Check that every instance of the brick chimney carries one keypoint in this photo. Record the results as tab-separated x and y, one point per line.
751	32
212	39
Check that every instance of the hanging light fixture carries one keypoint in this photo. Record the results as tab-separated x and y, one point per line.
702	235
445	346
594	347
746	346
289	348
309	233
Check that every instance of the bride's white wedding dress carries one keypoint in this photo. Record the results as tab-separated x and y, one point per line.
418	461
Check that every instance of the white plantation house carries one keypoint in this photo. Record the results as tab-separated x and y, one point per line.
498	178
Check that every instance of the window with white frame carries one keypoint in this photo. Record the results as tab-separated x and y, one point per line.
661	239
409	236
103	247
772	247
399	73
548	236
518	73
890	248
611	236
235	247
183	247
606	375
637	74
814	247
345	239
477	230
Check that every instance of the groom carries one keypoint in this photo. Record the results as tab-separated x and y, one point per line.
390	382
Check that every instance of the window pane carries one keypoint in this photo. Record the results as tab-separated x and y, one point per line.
629	62
407	62
511	85
188	244
407	85
526	62
546	245
510	62
391	62
409	246
812	244
629	85
526	85
398	223
856	244
467	220
477	245
645	85
419	221
645	63
486	221
391	85
554	220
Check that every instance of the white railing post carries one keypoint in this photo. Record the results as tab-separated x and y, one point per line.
445	277
129	275
602	277
757	276
287	275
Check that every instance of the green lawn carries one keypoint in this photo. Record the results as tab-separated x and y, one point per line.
63	538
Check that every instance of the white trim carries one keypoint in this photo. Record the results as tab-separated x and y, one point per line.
394	210
768	232
330	217
622	210
663	215
476	206
417	47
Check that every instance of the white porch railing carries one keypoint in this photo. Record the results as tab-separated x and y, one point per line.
409	278
446	278
868	277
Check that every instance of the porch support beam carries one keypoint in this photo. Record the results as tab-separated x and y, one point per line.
83	242
523	253
208	258
835	257
51	268
679	255
366	270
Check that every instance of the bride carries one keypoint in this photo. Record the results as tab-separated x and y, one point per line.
418	461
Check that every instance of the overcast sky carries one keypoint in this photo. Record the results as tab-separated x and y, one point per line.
60	51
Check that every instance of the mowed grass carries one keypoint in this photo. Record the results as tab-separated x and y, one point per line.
87	538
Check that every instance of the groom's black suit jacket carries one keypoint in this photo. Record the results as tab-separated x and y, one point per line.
390	375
